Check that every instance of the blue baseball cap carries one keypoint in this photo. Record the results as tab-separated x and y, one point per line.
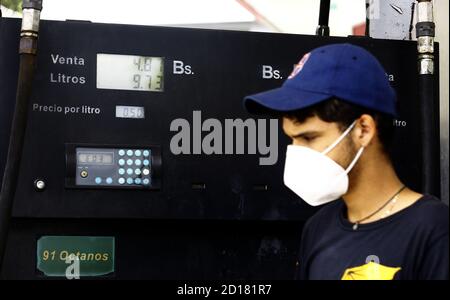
343	71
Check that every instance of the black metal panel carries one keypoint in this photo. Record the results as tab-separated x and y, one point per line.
157	249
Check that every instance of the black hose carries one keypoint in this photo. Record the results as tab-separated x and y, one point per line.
16	141
430	182
324	15
367	29
425	32
27	51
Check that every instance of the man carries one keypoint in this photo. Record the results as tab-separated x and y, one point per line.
337	106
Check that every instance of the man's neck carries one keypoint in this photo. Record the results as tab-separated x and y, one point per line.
373	186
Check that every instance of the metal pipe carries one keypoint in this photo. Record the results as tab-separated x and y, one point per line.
367	29
324	15
27	50
425	47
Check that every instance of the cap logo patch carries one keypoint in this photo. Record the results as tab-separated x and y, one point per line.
298	67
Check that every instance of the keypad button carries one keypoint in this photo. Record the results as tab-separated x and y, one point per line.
137	171
121	180
129	152
146	162
146	153
146	181
137	162
121	171
137	181
109	180
130	180
121	152
121	162
129	171
129	162
145	171
137	153
98	180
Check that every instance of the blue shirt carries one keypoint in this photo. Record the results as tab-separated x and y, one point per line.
410	244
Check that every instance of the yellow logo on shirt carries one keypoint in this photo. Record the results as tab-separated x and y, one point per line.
370	271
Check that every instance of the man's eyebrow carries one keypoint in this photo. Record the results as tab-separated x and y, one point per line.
304	133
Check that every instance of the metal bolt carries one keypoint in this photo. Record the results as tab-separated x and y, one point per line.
39	184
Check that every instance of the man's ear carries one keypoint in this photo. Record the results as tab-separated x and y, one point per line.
365	130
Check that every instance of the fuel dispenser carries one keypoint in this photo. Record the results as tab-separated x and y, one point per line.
140	159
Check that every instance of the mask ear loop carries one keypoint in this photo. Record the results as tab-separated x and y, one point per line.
343	135
355	160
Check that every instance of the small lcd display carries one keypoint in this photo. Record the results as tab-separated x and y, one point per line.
130	72
95	158
130	112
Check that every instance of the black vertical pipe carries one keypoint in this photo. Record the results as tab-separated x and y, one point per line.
367	29
429	134
324	15
27	51
10	177
430	155
425	32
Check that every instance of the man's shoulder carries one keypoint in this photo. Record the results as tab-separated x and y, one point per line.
431	213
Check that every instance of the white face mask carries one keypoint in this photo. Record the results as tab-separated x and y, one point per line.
314	176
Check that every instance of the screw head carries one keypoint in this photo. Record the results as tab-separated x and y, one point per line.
39	184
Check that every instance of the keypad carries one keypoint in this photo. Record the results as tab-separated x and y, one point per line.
114	167
138	166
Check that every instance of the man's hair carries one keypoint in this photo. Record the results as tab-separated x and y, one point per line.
344	113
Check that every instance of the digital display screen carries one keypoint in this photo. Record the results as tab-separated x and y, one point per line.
96	158
130	72
130	112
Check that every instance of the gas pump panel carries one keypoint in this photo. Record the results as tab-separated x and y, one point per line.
113	98
139	139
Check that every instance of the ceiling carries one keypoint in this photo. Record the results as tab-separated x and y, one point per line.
290	16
